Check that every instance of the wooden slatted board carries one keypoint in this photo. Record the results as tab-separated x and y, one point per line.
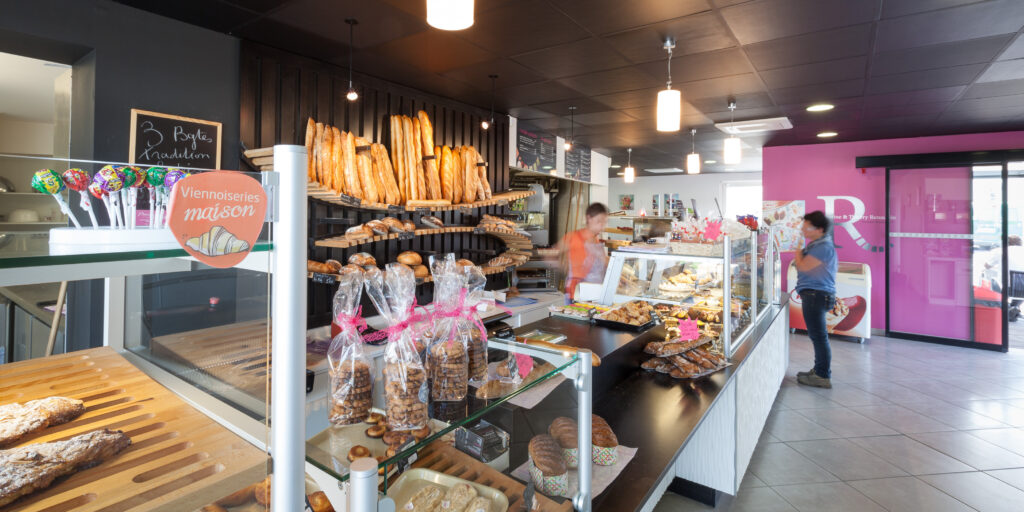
511	238
317	191
445	458
179	459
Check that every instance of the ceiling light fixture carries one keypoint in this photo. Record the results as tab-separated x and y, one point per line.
732	151
693	159
709	162
615	166
572	128
670	101
820	107
629	173
485	124
825	135
450	14
352	95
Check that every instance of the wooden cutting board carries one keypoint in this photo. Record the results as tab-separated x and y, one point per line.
179	459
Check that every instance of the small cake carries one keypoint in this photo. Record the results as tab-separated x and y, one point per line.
605	444
547	469
565	431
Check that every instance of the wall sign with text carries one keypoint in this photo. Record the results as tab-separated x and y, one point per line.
174	141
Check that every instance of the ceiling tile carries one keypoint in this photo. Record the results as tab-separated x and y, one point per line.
277	34
765	20
968	22
214	15
700	66
528	113
693	34
561	107
604	16
521	26
631	99
645	113
509	74
570	59
894	8
260	6
815	93
808	48
551	124
603	118
378	23
611	81
434	51
1003	70
937	56
841	105
1014	103
907	109
829	71
990	89
744	102
942	94
1015	50
720	87
528	94
943	77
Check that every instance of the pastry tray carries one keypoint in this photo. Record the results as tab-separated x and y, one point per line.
627	327
415	479
336	441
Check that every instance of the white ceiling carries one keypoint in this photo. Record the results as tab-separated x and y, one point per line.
26	87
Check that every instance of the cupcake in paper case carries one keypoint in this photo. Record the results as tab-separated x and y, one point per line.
605	451
547	469
565	431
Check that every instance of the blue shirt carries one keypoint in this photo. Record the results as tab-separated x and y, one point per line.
822	277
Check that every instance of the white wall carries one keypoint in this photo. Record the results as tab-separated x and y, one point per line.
599	177
25	137
705	188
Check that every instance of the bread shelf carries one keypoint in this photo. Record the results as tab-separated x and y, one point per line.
429	279
316	191
512	239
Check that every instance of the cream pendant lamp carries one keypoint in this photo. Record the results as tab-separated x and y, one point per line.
450	14
629	173
670	101
352	94
733	153
693	159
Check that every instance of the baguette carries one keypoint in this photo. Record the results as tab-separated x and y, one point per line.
447	180
433	180
310	142
319	140
365	169
484	184
387	176
428	202
457	175
378	179
421	180
337	161
396	156
469	171
410	159
352	186
328	155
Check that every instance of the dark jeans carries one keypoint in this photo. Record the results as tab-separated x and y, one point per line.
816	304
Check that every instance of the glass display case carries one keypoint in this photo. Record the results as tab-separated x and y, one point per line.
638	229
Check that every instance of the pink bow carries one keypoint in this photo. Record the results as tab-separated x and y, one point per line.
355	322
411	321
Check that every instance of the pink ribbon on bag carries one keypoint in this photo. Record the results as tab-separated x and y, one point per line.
410	321
355	322
467	312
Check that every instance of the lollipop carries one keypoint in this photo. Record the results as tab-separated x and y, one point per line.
47	181
129	193
99	193
174	176
78	180
111	180
155	182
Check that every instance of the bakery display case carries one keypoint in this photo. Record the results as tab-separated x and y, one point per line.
638	228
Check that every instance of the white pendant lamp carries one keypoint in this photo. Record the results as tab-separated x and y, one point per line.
629	173
450	14
670	101
352	94
733	152
693	159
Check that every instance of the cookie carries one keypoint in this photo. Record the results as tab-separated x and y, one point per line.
376	431
457	498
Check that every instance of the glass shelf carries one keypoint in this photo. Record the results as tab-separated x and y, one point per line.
328	450
43	258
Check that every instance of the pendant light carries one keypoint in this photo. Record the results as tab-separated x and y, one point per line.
450	14
733	153
572	129
670	101
693	159
629	173
486	123
352	95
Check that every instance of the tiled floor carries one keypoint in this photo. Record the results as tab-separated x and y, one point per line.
907	427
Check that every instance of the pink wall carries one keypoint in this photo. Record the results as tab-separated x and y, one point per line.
810	172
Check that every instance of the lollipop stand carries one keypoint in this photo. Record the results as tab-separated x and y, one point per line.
106	239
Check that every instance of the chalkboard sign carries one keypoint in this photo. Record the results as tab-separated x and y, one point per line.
174	141
534	151
577	162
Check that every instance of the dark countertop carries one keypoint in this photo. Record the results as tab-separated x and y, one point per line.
599	340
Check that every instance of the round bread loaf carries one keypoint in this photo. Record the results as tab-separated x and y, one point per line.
420	271
546	454
410	258
565	431
393	224
378	227
359	232
601	434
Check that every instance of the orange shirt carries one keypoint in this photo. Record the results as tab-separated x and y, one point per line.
585	255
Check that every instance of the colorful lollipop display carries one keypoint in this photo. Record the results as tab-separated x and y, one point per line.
47	181
129	193
78	180
99	193
111	180
155	182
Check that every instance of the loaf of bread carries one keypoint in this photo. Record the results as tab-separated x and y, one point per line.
382	165
464	263
362	259
420	271
393	224
317	142
601	434
458	192
546	454
410	258
421	176
352	185
397	156
409	158
433	180
565	431
359	232
310	142
378	227
447	179
337	174
432	222
482	170
364	166
469	171
410	226
327	267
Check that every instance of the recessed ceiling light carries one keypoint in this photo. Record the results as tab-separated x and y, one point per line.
547	167
619	174
616	166
711	161
825	135
820	107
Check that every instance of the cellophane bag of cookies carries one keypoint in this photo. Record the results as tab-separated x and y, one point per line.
405	379
477	349
350	376
447	356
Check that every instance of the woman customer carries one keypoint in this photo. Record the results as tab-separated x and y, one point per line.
816	267
583	256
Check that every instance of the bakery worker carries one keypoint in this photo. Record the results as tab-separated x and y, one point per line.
816	267
582	254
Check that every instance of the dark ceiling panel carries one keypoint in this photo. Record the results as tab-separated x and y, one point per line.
1008	104
522	26
960	53
631	99
894	8
943	77
213	15
1015	50
700	66
968	22
1003	70
829	71
583	106
435	51
808	48
604	16
601	118
527	113
942	94
509	74
907	109
283	36
721	87
611	81
577	58
815	93
693	34
260	6
744	102
534	93
326	18
990	89
764	20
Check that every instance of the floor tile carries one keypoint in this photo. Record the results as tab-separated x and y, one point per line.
910	455
803	398
849	396
971	450
767	437
760	499
845	422
750	480
672	502
978	490
846	460
833	497
1007	438
1000	410
956	417
1014	477
908	494
778	464
896	393
901	419
792	426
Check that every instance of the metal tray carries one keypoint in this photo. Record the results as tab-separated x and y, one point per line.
627	327
415	479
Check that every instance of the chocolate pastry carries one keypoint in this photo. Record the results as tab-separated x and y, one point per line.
546	454
565	431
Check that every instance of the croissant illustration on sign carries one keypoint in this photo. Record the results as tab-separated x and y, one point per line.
217	242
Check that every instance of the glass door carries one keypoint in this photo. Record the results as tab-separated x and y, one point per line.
945	255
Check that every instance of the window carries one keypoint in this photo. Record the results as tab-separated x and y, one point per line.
742	198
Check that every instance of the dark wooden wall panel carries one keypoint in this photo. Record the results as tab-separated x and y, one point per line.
280	91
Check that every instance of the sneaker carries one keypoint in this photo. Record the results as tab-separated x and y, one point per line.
814	380
804	374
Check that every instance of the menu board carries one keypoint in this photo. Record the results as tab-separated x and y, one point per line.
534	151
174	141
577	163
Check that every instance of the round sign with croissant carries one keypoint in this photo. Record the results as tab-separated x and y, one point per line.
216	216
